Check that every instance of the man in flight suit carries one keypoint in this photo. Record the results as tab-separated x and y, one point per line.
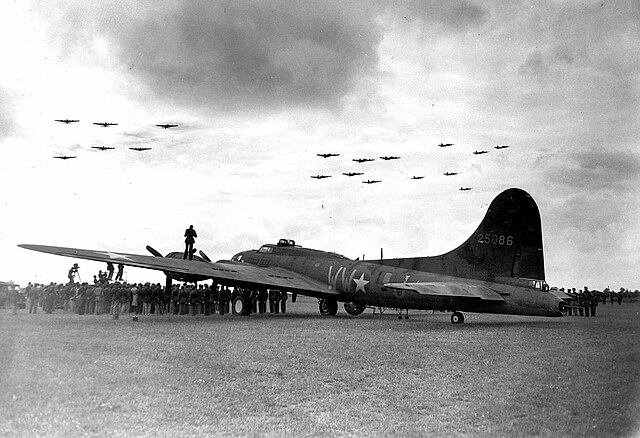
190	235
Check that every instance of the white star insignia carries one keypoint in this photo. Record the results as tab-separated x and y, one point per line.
115	255
361	283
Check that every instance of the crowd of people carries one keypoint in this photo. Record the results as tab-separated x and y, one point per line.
118	298
585	302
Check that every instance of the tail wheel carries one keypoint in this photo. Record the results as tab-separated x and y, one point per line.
354	309
457	318
240	306
327	307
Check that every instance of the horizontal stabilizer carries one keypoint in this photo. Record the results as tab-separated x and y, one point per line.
458	290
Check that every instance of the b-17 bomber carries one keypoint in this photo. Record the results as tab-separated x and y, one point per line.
328	155
166	126
65	157
387	158
363	160
371	181
417	177
444	145
139	149
102	148
504	146
450	173
499	269
320	176
67	121
104	124
464	189
352	173
480	152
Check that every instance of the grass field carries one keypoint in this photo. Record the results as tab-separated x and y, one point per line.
300	374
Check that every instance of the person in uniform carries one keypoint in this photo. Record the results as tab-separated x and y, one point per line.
120	272
594	303
586	301
72	273
13	301
190	235
283	301
110	270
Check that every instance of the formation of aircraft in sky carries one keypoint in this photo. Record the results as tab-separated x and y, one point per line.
363	160
444	145
104	124
352	173
167	126
67	121
102	148
499	269
320	176
328	155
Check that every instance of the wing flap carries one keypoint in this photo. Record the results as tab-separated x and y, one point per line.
267	277
457	290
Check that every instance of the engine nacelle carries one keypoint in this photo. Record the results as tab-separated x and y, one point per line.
354	309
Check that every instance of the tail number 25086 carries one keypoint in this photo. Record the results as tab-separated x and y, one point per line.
495	239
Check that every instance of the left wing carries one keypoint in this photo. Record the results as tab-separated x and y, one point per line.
446	289
226	271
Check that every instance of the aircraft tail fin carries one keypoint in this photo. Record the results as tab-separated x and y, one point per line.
507	243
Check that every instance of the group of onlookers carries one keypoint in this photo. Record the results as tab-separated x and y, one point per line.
585	302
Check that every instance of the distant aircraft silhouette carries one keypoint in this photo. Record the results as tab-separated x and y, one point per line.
479	152
66	121
102	148
104	124
369	181
363	160
387	158
450	173
352	173
140	149
65	157
321	176
501	147
328	155
166	125
465	188
444	145
417	177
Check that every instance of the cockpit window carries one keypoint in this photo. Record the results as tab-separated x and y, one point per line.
266	250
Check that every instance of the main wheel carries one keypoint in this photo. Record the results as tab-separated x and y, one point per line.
240	306
457	318
354	309
327	307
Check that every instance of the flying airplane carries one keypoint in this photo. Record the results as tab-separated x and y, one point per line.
104	124
328	155
66	121
65	157
363	160
140	149
444	145
417	177
501	146
464	189
166	126
499	269
102	148
371	181
321	176
450	173
479	152
352	173
387	158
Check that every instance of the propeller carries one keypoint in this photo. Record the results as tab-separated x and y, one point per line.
204	256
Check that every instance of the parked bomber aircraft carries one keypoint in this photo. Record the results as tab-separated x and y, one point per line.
499	269
450	173
387	158
140	149
444	145
166	126
480	152
371	181
328	155
104	124
352	173
66	121
501	146
320	176
363	160
102	148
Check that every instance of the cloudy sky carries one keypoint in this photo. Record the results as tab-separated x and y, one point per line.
260	88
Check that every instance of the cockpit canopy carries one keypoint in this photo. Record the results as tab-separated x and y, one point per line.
286	242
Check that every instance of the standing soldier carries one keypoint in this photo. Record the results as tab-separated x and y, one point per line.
595	299
207	300
32	293
193	301
586	300
283	301
262	301
221	301
13	300
72	273
120	272
190	235
110	270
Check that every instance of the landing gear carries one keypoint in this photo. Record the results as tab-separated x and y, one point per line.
457	318
328	307
241	306
354	309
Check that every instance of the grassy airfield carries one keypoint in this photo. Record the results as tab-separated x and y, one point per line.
300	374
